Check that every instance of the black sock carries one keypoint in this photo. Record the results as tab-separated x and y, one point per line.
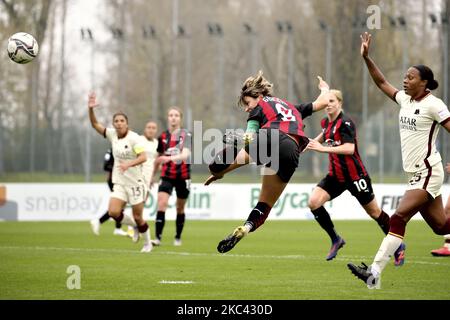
119	224
104	217
324	219
159	224
383	222
180	224
258	215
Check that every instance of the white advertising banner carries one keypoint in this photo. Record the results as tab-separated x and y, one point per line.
220	201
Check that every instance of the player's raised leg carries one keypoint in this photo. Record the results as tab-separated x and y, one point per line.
272	188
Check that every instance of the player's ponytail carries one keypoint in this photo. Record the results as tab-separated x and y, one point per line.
427	74
255	86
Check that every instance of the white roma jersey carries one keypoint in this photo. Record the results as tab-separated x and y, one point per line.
419	122
126	149
150	148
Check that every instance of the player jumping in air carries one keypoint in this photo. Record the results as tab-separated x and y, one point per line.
275	125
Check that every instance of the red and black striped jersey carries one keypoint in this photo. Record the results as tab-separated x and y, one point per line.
335	133
275	113
173	144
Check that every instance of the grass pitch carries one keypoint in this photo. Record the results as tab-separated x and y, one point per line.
282	260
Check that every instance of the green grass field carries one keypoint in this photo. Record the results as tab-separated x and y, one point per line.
282	260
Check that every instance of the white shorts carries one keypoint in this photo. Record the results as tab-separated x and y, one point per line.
130	194
430	180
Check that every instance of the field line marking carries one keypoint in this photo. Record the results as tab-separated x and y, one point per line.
204	254
175	282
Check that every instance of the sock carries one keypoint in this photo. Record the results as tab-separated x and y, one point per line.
125	219
118	224
323	218
144	230
249	226
258	216
447	241
180	224
159	224
104	217
388	246
383	222
397	226
390	243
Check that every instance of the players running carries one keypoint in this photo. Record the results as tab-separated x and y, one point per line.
346	172
421	113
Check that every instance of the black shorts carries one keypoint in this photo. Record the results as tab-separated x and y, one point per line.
276	150
110	184
361	189
182	187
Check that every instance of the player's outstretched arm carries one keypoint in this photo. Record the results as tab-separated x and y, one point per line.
320	138
374	71
322	100
92	103
344	149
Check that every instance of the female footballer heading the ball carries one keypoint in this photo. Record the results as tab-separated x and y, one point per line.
277	126
127	177
421	113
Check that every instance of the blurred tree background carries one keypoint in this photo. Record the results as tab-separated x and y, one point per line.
143	56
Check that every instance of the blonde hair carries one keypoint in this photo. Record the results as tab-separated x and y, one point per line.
176	109
255	86
338	94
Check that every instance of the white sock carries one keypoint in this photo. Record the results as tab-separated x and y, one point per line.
146	236
387	248
128	220
248	226
447	241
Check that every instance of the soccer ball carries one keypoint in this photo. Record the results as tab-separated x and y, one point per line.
22	47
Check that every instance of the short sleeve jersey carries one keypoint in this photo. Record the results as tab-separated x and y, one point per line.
345	168
125	149
275	113
172	144
305	109
419	126
151	151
